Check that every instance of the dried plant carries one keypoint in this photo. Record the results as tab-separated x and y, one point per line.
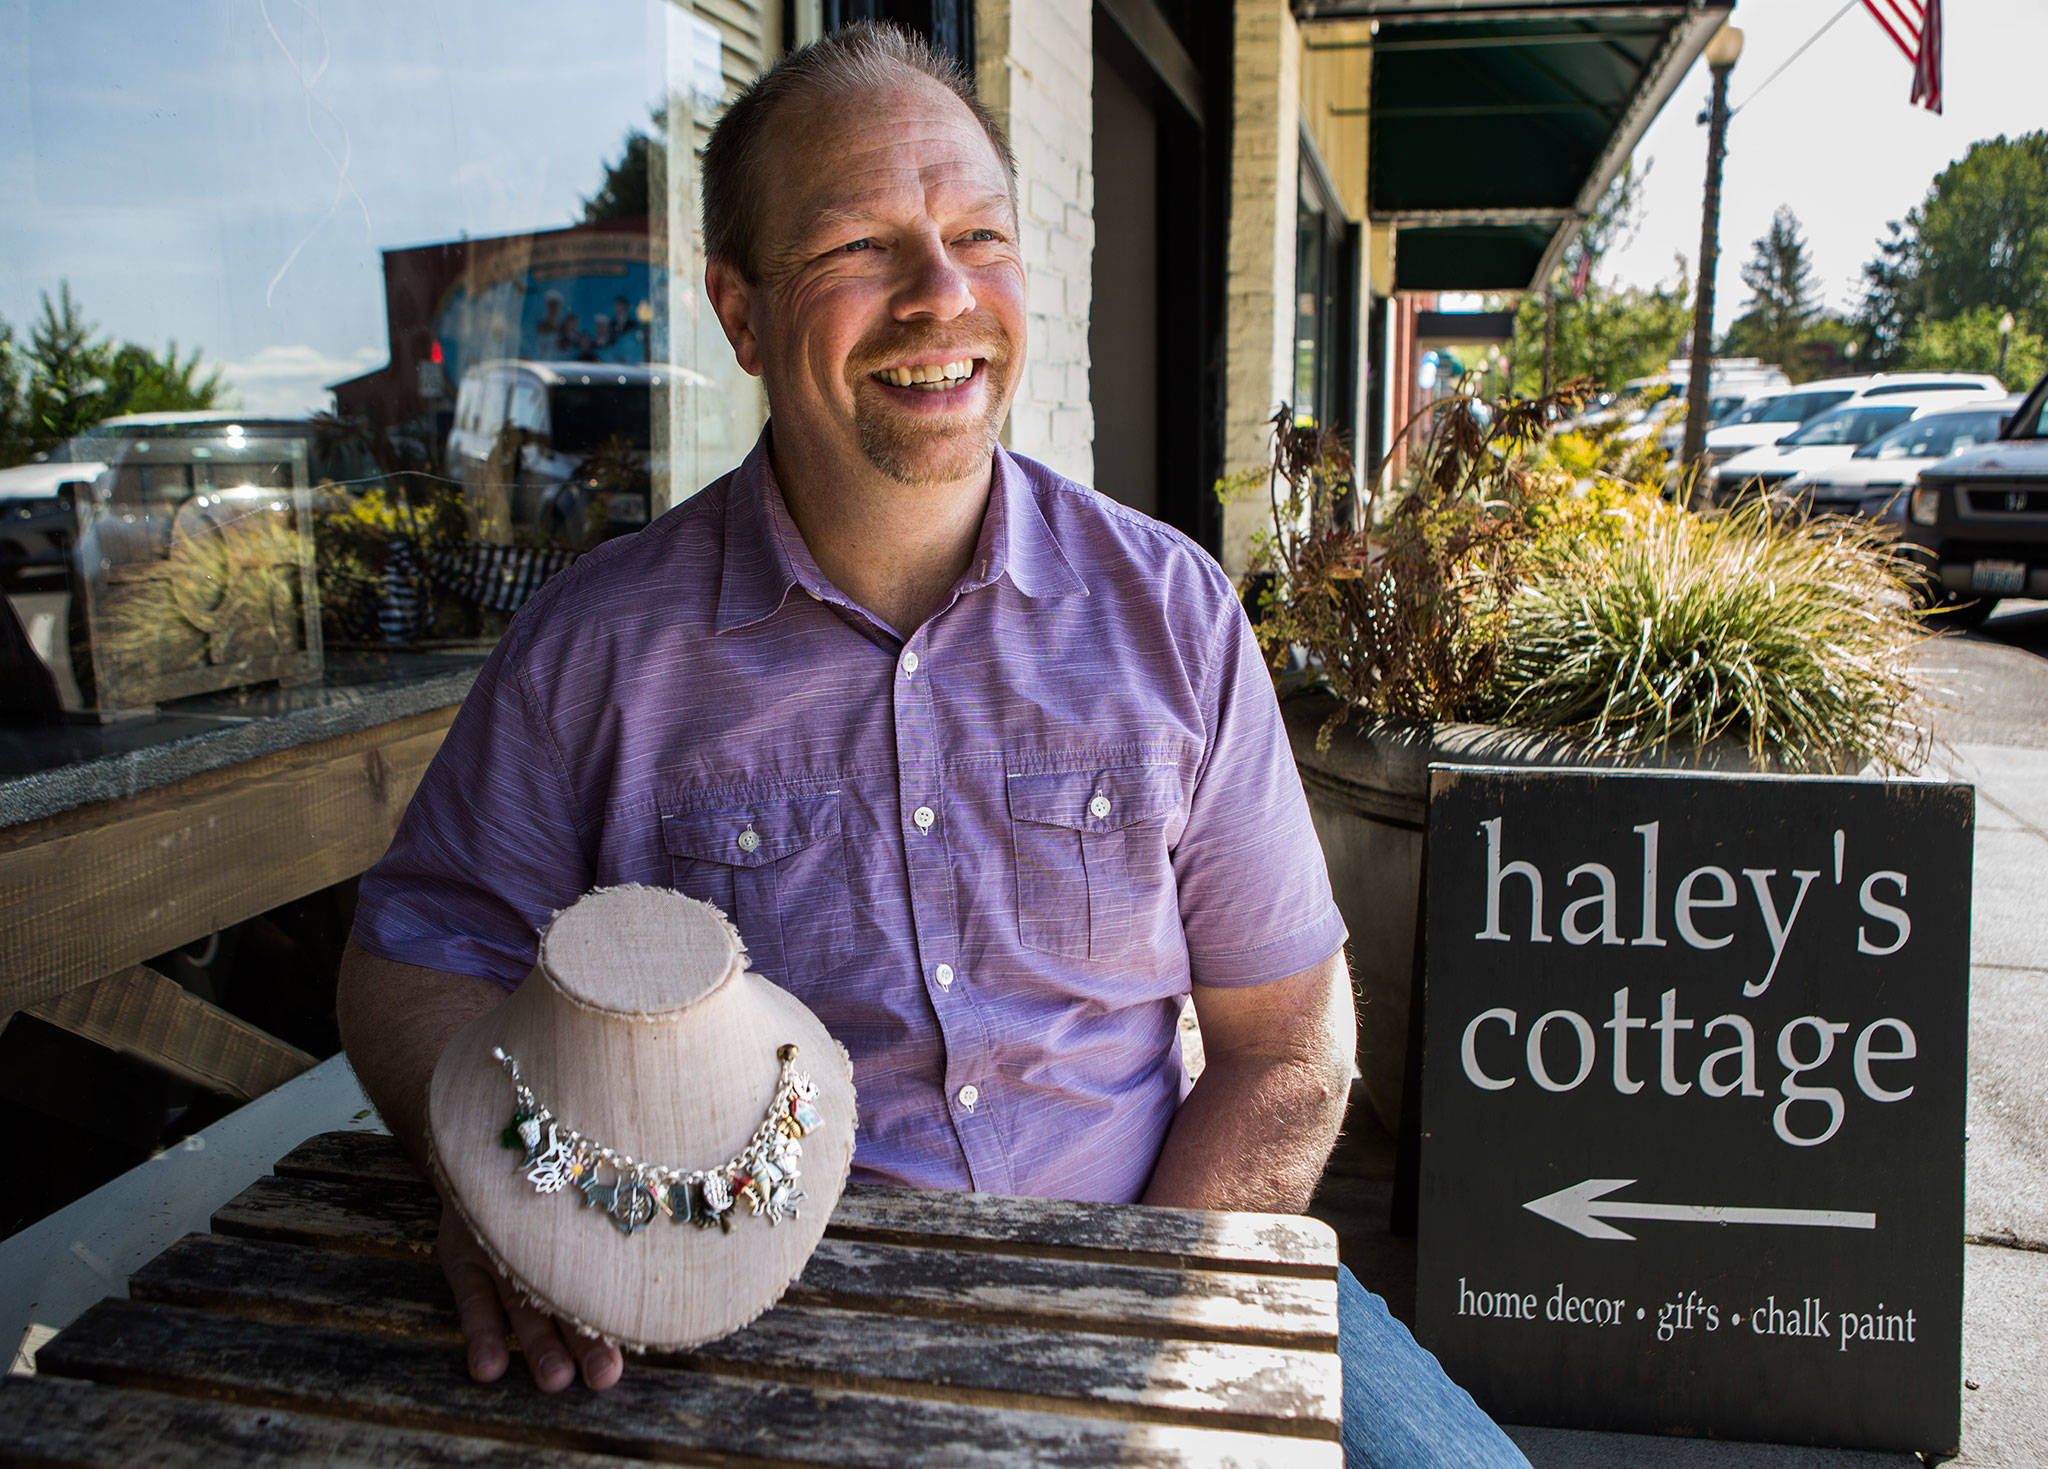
1398	595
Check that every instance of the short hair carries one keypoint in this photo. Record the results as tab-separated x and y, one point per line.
864	55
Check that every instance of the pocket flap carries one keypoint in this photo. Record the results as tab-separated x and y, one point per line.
751	834
1095	800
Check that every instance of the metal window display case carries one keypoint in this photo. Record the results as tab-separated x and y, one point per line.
190	571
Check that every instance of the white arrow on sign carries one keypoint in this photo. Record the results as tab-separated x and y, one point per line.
1584	1206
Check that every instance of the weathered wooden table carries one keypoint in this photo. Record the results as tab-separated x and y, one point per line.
929	1328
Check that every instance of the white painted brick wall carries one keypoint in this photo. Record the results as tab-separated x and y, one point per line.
1259	306
1036	70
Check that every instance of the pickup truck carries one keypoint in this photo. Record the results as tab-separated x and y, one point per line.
1980	518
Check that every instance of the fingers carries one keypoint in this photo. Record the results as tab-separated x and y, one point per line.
601	1362
478	1304
485	1302
550	1348
483	1320
547	1357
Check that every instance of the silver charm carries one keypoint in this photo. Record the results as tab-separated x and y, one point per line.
632	1205
782	1202
604	1196
557	1156
548	1167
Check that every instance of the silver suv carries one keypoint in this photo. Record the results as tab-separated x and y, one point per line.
1980	518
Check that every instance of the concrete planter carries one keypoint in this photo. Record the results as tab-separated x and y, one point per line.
1369	796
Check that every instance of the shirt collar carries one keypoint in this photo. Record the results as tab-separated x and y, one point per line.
1016	542
766	559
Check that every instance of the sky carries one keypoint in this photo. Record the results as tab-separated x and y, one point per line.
1833	137
223	173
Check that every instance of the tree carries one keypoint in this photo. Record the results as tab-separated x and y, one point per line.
1886	318
70	378
14	426
1979	239
64	386
1969	343
625	191
1781	303
1607	334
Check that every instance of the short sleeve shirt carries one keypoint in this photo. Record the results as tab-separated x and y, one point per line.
992	857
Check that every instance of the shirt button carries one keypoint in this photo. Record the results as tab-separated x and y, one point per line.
969	1095
1099	807
910	662
924	816
749	840
944	975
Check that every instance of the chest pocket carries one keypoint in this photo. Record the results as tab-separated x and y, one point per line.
776	865
1090	847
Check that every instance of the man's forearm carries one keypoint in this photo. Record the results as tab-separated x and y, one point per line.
1257	1128
1253	1134
395	1021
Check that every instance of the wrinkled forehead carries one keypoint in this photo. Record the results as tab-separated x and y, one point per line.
865	149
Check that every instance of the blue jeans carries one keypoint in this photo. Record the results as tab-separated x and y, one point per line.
1400	1411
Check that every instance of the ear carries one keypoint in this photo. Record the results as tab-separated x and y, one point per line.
732	298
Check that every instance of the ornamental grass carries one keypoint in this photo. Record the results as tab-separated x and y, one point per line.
1661	629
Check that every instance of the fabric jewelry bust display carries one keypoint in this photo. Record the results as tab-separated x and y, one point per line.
763	1173
643	1069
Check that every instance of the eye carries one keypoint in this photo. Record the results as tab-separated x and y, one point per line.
854	247
983	237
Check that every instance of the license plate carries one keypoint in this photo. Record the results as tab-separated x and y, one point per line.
1999	578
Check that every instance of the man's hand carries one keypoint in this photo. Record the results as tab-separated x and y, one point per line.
484	1300
395	1020
1258	1127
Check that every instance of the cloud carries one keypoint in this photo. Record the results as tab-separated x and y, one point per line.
285	382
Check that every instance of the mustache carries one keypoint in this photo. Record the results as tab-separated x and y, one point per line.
950	340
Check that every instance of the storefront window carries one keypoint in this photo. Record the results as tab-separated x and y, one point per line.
311	316
1325	317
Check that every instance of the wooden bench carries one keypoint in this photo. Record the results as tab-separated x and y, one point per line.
928	1328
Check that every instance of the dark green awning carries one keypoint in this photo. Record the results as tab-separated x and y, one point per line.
1496	127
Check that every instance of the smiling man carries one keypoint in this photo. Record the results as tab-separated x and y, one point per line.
985	767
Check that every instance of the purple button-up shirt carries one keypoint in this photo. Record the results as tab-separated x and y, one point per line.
991	857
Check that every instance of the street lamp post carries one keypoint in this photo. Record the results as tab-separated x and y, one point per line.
1722	52
2005	326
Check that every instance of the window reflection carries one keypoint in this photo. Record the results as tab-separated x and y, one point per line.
392	308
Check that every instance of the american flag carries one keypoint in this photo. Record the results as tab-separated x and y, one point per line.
1915	25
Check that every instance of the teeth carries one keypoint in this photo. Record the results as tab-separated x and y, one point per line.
905	377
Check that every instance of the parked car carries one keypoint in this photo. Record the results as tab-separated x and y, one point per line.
1875	480
1831	438
1648	405
558	449
1768	420
36	516
1980	517
35	523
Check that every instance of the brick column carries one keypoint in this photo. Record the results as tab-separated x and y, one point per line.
1264	160
1035	68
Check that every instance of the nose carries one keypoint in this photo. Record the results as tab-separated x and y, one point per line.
933	283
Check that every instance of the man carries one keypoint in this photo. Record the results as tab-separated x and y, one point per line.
986	769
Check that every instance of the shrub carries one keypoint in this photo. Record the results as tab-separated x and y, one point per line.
1663	628
1524	579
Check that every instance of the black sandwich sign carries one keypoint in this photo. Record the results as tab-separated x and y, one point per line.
1692	1102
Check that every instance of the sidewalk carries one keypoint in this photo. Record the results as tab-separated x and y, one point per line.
2005	1212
